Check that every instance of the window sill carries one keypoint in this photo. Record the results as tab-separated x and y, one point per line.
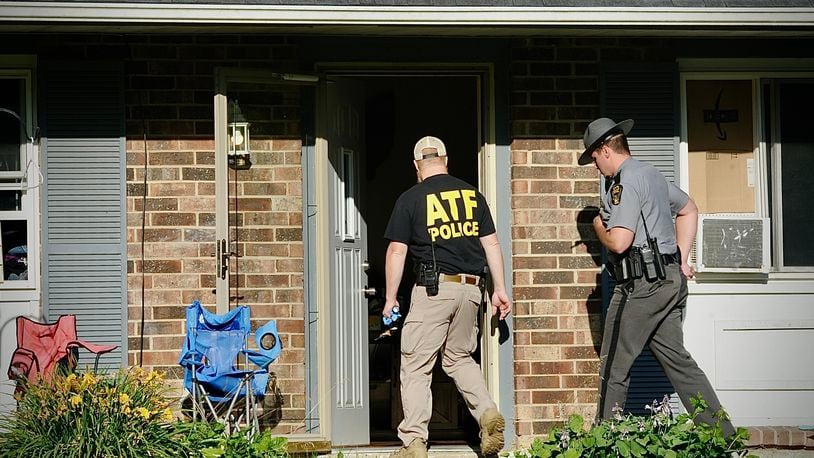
752	283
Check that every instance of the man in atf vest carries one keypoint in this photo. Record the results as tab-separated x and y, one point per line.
448	229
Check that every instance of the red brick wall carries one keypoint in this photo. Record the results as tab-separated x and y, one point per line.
555	94
170	88
557	291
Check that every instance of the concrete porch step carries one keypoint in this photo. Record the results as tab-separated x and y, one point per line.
440	451
788	437
778	453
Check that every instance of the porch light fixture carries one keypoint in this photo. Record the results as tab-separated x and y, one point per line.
238	130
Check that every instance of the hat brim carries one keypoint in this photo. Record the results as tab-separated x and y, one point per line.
623	127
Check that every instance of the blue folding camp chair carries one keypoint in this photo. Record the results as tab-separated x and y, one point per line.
220	370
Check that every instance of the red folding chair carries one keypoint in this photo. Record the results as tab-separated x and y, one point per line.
42	347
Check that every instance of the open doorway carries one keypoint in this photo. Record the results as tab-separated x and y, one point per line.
400	109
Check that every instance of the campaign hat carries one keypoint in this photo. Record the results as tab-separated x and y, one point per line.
597	132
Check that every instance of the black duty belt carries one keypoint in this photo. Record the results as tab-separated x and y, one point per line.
671	258
460	278
632	265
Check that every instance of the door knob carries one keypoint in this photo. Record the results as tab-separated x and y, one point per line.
369	292
365	266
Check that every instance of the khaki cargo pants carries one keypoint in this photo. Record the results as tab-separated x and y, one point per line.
446	324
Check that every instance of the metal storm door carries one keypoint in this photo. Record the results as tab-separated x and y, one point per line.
350	422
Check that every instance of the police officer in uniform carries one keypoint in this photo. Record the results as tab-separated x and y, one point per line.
446	225
648	259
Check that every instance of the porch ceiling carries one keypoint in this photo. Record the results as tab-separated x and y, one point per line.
161	17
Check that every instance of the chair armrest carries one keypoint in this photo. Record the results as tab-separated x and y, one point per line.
96	349
259	359
191	358
93	348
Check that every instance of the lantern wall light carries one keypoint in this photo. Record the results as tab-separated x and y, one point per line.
239	136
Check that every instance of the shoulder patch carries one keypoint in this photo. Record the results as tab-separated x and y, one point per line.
616	194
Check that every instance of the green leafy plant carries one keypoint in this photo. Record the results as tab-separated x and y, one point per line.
207	440
88	415
659	435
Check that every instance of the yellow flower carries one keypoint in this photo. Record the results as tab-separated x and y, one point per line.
124	399
166	414
76	400
144	413
87	380
125	409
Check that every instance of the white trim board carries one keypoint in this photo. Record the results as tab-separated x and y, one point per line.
85	12
762	354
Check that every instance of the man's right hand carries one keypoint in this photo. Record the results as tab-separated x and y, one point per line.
388	307
687	270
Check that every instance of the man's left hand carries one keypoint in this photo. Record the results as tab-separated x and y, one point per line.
501	304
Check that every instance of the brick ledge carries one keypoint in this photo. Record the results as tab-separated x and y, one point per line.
780	437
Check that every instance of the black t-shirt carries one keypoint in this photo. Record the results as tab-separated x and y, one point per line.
445	212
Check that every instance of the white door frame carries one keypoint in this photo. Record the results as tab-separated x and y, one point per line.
487	173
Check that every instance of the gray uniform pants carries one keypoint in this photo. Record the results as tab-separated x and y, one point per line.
643	313
446	324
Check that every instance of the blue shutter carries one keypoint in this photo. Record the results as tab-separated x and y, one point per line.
83	236
648	94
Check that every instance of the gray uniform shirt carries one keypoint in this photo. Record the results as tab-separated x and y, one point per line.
644	191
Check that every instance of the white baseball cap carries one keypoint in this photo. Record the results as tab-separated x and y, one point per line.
429	147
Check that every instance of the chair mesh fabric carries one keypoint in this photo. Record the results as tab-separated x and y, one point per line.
216	352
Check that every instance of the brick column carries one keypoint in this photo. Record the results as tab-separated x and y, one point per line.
556	285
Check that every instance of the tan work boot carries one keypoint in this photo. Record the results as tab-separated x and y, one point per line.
416	449
492	425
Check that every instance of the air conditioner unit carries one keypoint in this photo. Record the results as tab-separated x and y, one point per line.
732	243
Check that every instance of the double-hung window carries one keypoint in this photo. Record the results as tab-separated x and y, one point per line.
747	144
18	180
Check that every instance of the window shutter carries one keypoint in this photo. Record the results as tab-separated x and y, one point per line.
84	251
648	95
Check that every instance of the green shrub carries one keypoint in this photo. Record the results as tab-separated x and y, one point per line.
89	416
659	435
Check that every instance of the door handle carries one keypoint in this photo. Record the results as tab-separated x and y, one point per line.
369	291
221	259
365	266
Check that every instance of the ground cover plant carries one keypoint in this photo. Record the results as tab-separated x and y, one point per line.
207	440
659	435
